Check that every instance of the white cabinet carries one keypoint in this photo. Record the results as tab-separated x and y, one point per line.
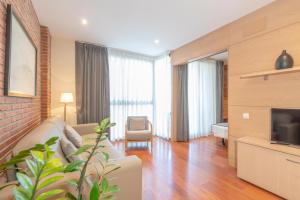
272	167
293	168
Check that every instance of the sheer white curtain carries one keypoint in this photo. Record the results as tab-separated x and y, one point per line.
131	88
162	97
202	97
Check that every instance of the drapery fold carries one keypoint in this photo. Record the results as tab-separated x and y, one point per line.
182	119
162	96
92	83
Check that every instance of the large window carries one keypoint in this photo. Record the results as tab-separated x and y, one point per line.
131	88
139	86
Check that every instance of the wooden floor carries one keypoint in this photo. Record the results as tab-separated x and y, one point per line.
192	171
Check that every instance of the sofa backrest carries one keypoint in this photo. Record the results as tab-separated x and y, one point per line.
52	127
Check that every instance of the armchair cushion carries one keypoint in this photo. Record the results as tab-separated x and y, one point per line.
137	123
139	135
73	136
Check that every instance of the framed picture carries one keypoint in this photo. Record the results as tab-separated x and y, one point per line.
20	59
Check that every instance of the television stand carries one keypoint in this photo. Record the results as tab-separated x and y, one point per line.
274	167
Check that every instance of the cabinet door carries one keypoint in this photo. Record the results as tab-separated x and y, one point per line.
257	165
293	167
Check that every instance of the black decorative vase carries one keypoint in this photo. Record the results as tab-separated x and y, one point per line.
284	61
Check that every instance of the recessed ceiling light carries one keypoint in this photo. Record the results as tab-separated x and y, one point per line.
156	41
84	21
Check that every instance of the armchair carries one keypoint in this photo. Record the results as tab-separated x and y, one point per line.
138	129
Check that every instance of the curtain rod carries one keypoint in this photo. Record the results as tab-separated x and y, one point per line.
153	57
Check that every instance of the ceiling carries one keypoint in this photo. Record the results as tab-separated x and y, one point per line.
134	24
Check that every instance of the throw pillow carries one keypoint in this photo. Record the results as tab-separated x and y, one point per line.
73	136
137	123
68	149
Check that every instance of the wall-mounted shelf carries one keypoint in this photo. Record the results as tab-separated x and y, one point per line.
265	74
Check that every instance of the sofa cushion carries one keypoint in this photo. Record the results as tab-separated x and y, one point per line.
73	136
139	135
68	149
137	123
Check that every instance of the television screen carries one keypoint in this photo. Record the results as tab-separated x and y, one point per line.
285	126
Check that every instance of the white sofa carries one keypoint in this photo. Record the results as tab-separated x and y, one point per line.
128	177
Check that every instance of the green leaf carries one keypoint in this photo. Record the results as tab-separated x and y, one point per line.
51	141
25	181
21	194
70	196
74	166
110	197
49	152
112	189
95	192
20	157
83	148
53	163
106	156
49	181
73	183
52	171
10	163
48	194
104	184
33	167
104	125
38	156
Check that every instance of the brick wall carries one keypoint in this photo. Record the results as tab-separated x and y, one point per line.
18	115
45	72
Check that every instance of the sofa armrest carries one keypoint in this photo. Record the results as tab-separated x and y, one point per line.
84	129
128	178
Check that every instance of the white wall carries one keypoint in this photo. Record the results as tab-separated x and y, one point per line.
63	76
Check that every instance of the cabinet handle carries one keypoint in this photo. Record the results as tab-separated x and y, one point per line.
293	161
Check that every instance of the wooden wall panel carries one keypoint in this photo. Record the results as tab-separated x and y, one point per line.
260	53
258	125
254	42
274	16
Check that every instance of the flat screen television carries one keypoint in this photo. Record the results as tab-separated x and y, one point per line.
285	126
